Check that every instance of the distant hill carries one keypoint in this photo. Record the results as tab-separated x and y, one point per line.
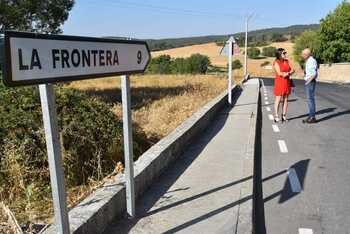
257	37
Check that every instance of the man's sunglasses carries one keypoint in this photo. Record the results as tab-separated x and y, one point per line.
285	52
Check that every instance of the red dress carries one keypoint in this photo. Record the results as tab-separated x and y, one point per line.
282	84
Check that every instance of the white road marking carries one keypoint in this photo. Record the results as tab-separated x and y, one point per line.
305	231
275	128
266	103
283	146
268	108
266	98
270	117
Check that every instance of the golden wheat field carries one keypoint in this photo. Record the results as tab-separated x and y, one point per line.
213	52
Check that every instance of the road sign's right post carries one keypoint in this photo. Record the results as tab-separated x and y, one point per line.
230	50
128	146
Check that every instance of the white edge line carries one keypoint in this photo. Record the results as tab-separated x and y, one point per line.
275	128
305	231
283	146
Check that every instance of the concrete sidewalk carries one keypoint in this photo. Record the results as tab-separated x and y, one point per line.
209	188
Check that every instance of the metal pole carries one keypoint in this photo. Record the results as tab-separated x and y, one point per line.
246	47
48	106
246	44
128	147
230	47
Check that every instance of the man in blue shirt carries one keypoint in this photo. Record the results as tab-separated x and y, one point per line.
310	84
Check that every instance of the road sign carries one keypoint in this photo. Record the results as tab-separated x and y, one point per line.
236	49
39	58
44	59
225	49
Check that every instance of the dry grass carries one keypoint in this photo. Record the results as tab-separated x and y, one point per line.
212	51
159	102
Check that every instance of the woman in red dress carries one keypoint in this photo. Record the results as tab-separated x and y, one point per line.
282	87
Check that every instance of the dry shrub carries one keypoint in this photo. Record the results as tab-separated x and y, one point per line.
91	137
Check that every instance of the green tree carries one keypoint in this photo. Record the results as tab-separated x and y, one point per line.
44	16
335	35
236	64
198	63
308	39
253	52
269	51
160	65
180	66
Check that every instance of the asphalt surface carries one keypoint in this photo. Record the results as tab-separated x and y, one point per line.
303	171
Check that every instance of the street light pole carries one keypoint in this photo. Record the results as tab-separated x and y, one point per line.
246	43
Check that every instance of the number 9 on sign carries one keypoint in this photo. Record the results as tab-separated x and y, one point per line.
139	57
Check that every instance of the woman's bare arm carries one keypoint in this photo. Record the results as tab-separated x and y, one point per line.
278	70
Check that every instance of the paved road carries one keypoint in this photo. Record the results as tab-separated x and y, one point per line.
303	170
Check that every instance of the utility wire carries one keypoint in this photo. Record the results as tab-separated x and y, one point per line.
162	9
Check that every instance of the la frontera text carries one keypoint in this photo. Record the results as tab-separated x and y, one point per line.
63	58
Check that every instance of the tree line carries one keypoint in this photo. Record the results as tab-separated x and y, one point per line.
331	43
164	64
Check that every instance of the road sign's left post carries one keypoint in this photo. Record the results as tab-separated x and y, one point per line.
53	145
128	146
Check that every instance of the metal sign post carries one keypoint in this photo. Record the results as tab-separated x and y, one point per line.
229	50
246	45
47	97
128	146
230	72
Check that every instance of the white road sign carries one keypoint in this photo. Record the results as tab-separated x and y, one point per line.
39	58
225	49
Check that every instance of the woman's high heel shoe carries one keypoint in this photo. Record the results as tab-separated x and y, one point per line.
276	119
284	118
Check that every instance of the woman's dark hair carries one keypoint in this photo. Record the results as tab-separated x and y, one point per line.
279	53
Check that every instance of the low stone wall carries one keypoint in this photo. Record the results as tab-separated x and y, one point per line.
336	72
108	202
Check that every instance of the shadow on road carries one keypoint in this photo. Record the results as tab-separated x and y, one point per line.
320	112
286	192
334	115
301	170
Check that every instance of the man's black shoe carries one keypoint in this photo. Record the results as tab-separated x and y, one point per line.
310	121
306	120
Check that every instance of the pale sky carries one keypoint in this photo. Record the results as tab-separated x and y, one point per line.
183	18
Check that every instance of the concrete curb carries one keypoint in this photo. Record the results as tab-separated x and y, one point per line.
107	203
245	219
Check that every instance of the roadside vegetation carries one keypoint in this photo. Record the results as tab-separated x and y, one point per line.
164	64
90	122
331	43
